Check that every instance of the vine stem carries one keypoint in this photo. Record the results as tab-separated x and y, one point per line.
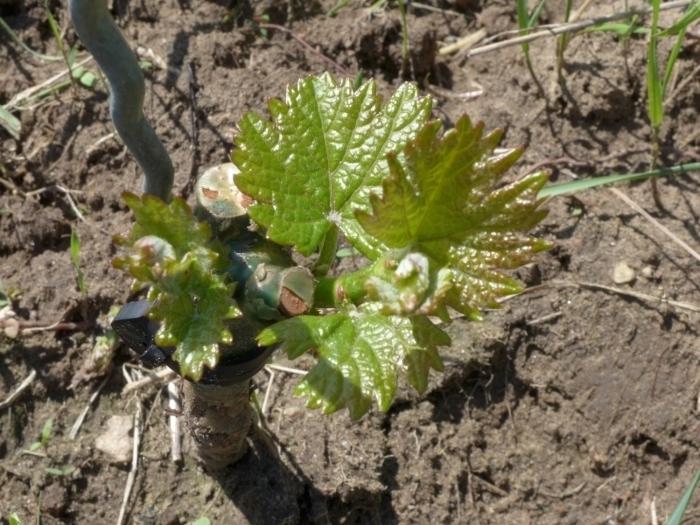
332	292
104	41
218	418
327	253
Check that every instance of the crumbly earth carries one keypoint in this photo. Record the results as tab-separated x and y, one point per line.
571	405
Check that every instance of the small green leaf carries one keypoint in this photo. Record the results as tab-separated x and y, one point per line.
445	200
193	300
14	519
46	432
193	303
88	79
75	261
62	471
172	222
360	353
321	156
44	436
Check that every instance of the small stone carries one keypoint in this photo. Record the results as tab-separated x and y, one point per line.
116	440
623	274
11	328
648	272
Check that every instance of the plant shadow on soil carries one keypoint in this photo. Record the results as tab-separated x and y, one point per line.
267	487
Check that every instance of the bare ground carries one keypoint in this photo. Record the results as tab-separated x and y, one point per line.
570	405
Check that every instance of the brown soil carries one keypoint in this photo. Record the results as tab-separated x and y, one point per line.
571	405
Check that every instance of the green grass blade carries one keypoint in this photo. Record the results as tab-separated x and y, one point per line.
403	9
654	88
526	21
677	516
523	19
621	29
75	261
535	15
56	31
337	8
25	47
691	15
671	62
562	188
10	123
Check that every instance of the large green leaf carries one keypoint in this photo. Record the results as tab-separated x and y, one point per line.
445	198
174	255
321	155
360	353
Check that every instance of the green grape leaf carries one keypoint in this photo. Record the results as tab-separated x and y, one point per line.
173	254
360	353
172	222
321	156
445	199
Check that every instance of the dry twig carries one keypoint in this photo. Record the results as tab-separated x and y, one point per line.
287	369
266	399
175	408
338	67
163	374
465	43
571	27
134	464
81	418
628	293
656	223
18	391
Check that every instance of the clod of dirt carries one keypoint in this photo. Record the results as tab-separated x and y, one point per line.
55	500
116	441
623	274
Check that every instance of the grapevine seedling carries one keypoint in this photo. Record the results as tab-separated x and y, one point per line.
433	212
427	209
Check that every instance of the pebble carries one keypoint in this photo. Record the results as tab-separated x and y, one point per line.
623	274
116	440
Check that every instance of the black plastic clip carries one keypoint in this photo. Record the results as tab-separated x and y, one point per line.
138	332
